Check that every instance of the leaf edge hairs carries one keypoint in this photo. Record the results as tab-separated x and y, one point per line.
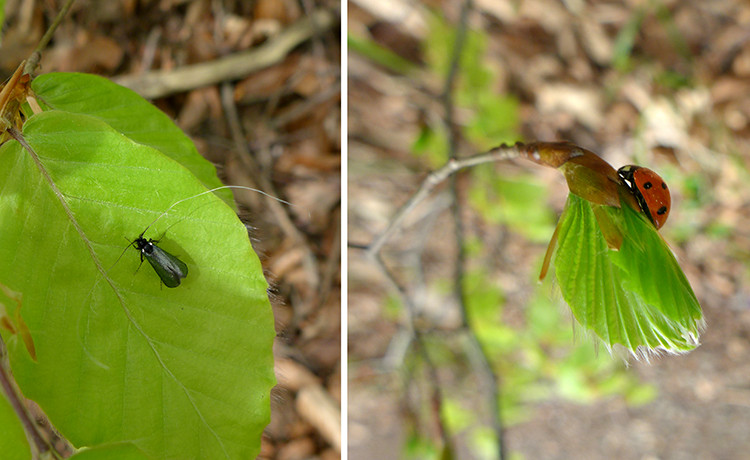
628	232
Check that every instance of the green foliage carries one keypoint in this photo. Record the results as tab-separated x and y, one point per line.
379	54
419	447
129	114
456	417
517	203
622	58
484	441
541	360
538	361
673	80
490	118
2	16
432	143
625	40
178	373
636	297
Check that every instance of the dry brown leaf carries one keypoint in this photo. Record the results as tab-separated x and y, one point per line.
297	449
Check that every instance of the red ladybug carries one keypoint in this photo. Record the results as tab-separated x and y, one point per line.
649	190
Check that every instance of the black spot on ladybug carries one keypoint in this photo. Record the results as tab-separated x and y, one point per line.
663	185
662	210
647	185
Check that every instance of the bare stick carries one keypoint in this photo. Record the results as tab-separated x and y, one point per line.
283	219
20	408
436	396
503	152
33	61
159	83
486	374
448	171
458	225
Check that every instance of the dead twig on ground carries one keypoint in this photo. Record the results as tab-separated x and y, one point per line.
152	85
264	183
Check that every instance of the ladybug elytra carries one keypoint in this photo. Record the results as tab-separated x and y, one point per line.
650	192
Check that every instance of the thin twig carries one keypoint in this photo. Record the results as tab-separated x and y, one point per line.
23	415
311	103
436	396
455	64
159	83
487	374
264	184
458	268
449	170
36	56
503	152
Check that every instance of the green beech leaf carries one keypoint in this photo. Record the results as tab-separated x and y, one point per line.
179	373
637	297
13	443
127	112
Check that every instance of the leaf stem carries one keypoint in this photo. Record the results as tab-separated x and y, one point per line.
23	415
36	56
503	152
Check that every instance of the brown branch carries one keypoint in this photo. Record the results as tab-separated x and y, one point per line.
265	184
420	347
36	55
20	408
161	83
503	152
448	171
486	373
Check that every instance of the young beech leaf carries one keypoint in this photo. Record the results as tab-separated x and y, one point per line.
179	373
128	113
637	296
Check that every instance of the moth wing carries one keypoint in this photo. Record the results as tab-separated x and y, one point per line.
169	268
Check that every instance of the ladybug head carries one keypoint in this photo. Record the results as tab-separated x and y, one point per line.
649	190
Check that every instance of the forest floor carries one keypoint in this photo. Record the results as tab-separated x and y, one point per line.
663	84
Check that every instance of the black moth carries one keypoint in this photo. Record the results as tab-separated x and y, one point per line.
169	268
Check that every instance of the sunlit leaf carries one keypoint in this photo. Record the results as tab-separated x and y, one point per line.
179	373
128	113
637	297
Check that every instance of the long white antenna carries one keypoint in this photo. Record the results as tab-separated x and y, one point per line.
211	191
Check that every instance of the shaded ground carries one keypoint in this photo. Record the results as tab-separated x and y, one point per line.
664	85
285	140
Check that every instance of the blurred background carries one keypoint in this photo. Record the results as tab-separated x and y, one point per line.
273	124
664	84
